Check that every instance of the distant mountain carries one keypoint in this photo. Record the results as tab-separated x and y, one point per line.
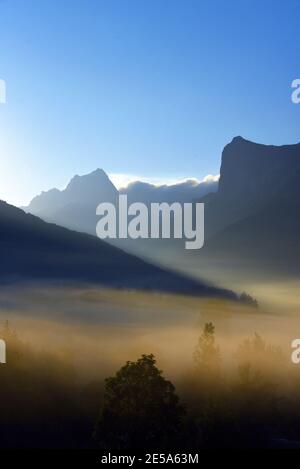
75	206
33	250
82	190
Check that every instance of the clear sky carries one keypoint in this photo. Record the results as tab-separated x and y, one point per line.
153	88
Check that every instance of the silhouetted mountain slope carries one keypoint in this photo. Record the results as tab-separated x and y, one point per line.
32	249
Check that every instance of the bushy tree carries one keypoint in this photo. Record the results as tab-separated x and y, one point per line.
263	357
141	409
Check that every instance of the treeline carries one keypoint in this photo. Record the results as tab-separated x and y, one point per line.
251	404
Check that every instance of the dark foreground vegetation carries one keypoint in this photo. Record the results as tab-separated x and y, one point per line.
43	404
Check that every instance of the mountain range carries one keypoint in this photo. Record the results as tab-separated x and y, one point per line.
75	206
251	213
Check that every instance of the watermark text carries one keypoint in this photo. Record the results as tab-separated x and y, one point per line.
296	93
2	351
161	220
2	91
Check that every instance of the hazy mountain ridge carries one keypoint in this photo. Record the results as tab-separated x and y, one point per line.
75	206
83	190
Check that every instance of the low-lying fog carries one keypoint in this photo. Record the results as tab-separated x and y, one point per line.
103	328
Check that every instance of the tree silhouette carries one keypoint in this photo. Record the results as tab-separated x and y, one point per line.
248	300
141	409
207	353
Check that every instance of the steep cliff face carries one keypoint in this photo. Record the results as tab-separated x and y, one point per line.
255	173
253	221
252	176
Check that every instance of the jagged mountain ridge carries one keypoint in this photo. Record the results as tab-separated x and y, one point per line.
75	206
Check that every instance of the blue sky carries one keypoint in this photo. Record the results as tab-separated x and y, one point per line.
153	88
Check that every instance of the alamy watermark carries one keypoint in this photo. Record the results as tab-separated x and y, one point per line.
2	91
295	96
2	351
161	220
